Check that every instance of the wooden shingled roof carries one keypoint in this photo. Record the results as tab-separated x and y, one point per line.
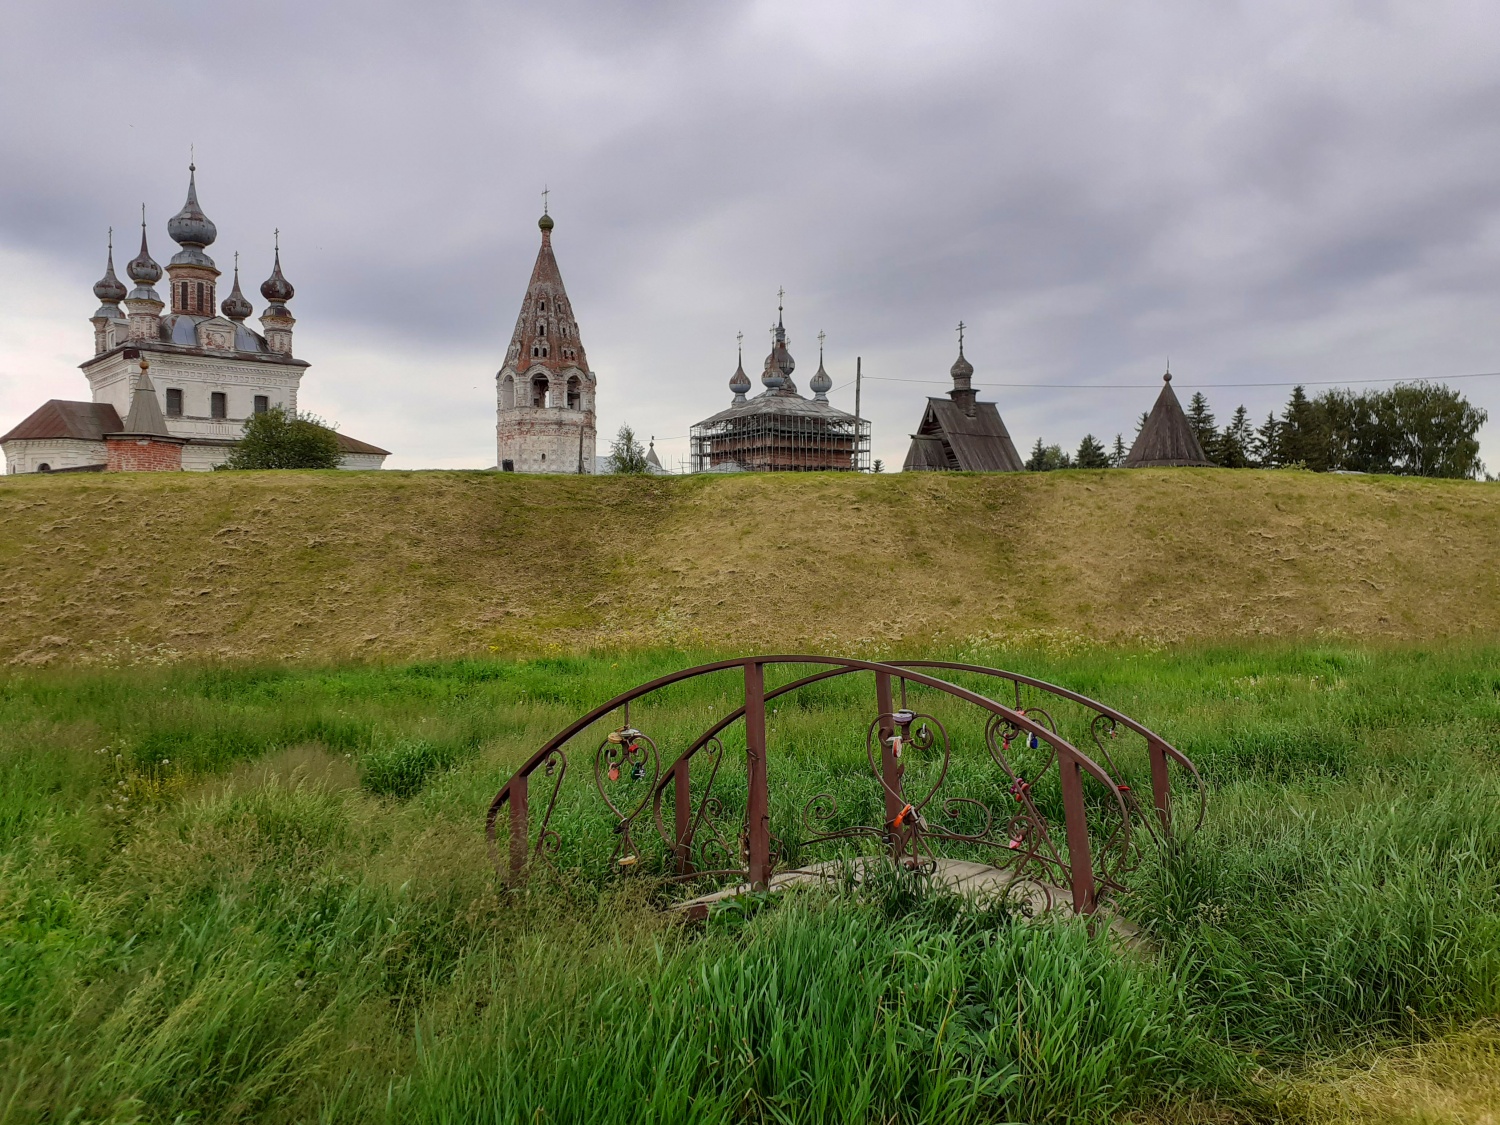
1167	439
949	438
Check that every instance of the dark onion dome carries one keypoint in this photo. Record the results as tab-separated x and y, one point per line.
190	226
110	289
545	222
235	306
276	288
962	368
142	269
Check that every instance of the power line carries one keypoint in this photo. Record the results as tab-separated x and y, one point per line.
1196	386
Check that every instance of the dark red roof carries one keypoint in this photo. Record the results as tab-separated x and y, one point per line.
58	418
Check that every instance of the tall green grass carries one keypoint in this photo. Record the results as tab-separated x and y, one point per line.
262	894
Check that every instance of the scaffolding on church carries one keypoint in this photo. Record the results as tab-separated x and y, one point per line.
781	436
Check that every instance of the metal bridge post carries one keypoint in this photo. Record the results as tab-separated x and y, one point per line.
758	806
1080	861
1161	783
683	818
890	768
518	827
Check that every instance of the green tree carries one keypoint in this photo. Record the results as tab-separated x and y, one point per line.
1236	443
1302	440
1090	454
278	439
878	466
627	453
1201	419
1267	447
1423	429
1118	454
1045	458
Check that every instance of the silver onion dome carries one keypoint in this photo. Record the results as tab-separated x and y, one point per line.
821	384
739	383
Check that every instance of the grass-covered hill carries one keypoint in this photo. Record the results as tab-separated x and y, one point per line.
329	566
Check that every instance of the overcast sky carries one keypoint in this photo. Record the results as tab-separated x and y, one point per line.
1265	192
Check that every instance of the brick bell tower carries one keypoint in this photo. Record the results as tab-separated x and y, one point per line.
545	420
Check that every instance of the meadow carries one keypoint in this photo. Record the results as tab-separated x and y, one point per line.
235	893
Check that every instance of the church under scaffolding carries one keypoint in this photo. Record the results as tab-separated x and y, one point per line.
778	430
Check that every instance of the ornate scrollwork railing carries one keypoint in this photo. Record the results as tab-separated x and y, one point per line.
1081	836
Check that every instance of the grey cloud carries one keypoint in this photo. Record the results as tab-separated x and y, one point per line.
1263	191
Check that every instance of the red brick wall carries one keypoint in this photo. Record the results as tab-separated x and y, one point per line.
129	455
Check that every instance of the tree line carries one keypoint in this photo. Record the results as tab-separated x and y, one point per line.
1411	429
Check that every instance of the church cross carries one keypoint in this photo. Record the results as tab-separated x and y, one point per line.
545	192
961	327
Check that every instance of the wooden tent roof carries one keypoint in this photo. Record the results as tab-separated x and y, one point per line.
1167	439
948	438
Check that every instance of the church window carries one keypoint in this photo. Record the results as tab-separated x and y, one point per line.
575	394
536	352
218	405
184	301
541	306
200	296
262	403
541	330
539	391
174	402
507	393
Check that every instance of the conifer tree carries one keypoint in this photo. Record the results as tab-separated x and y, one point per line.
628	455
1090	454
1201	419
1237	441
1300	434
1267	448
1118	454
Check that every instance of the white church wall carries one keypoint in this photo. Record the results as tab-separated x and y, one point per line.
23	456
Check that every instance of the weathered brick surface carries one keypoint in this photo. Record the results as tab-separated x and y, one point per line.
143	455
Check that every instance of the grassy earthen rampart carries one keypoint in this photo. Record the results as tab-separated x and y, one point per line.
330	566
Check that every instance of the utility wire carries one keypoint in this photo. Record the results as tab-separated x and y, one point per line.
1184	383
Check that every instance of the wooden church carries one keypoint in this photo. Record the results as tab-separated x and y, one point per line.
960	433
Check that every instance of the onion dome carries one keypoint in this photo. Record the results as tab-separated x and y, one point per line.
142	269
545	222
110	289
235	306
962	368
821	384
191	227
740	382
779	364
276	288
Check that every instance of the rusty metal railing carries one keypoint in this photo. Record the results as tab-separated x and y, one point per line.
1097	845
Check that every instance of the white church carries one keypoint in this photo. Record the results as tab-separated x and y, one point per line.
202	372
